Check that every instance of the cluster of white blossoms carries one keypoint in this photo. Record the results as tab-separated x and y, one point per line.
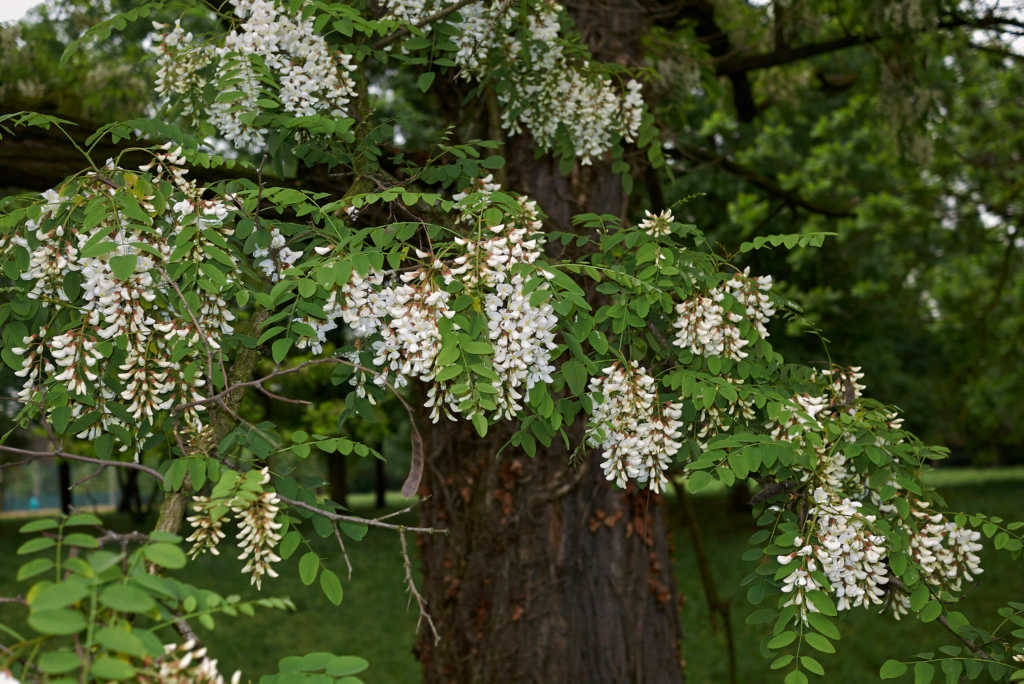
310	78
120	303
522	333
547	91
180	61
639	436
842	541
398	313
707	329
258	529
850	555
187	663
277	257
657	225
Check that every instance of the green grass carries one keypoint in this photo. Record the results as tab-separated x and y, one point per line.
374	622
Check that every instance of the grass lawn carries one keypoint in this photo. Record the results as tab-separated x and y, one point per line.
374	622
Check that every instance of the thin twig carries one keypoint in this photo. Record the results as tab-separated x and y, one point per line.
414	593
131	465
88	477
411	484
407	509
436	16
966	642
344	552
278	397
13	599
122	538
370	522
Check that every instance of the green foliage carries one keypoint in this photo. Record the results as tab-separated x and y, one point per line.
163	301
103	615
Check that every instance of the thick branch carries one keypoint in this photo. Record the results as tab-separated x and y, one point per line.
740	63
766	183
38	159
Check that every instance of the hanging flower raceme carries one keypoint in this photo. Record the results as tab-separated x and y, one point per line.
547	91
255	510
119	358
844	542
637	435
308	77
188	663
400	313
707	328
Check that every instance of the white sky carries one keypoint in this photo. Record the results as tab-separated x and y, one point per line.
11	10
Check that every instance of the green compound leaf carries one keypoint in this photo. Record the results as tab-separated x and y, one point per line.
107	667
121	641
331	586
127	599
57	662
308	565
165	555
819	642
796	677
892	669
812	665
60	621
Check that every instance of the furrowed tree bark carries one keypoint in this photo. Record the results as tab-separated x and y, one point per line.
548	573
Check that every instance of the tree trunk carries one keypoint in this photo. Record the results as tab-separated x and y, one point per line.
548	574
337	477
64	486
380	483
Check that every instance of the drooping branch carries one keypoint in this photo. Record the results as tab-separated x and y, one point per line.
38	159
33	455
694	153
740	63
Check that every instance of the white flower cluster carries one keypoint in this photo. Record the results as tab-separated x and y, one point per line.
311	79
706	329
180	61
842	544
188	663
798	417
411	340
657	225
850	555
521	333
256	514
638	436
207	531
946	553
548	91
277	257
143	316
399	313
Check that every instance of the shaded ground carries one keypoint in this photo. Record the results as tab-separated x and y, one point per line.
373	621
